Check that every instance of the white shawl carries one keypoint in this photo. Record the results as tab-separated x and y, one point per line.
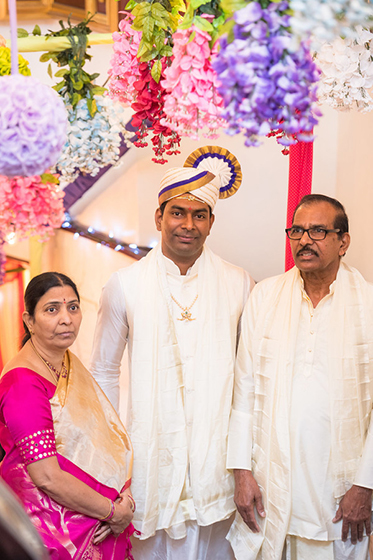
158	427
350	359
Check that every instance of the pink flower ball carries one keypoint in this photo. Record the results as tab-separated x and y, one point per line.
33	124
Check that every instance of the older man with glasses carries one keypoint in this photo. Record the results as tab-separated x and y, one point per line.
300	440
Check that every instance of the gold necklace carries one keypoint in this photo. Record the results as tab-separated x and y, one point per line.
53	371
185	311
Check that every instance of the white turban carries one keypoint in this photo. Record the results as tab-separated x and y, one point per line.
209	173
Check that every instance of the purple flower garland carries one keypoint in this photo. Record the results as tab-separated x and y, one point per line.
268	81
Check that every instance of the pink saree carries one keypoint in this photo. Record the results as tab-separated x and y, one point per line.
29	431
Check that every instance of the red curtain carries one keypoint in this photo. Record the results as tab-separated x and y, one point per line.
300	184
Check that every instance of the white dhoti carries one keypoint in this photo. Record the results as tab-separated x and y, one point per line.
200	543
297	548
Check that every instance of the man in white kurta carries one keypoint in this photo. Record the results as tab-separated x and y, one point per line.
178	309
300	437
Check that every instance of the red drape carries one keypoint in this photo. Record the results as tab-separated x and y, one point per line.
300	184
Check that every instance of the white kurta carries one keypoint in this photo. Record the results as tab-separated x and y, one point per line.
312	498
116	318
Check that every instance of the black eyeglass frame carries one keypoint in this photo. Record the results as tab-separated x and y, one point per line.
304	230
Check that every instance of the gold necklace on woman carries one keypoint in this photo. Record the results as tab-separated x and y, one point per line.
53	371
185	311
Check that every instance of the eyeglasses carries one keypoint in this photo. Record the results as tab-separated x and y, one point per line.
315	233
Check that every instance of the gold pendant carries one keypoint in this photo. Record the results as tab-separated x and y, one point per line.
186	316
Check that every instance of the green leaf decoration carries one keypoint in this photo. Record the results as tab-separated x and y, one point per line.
50	73
75	99
230	6
130	5
158	11
148	27
36	30
179	5
98	90
21	33
76	83
144	47
93	108
61	72
192	35
149	55
203	24
187	20
49	178
59	86
197	3
156	71
166	51
141	9
159	40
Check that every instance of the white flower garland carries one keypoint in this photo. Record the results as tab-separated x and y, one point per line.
347	72
93	142
325	20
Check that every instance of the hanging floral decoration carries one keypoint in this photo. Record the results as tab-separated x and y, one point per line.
33	123
92	142
5	63
347	72
149	113
267	82
96	123
155	22
192	102
30	206
124	70
324	20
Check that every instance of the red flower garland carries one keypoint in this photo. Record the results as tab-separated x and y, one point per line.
148	108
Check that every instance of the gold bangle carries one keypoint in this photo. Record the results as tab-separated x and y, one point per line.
111	511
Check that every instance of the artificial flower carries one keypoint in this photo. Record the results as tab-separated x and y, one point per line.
30	206
124	70
33	123
325	20
92	142
347	72
149	115
6	64
267	81
192	102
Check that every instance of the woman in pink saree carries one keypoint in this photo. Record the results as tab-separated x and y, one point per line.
67	456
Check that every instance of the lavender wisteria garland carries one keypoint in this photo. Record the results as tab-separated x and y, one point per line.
267	81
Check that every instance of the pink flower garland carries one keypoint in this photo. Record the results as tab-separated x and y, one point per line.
124	69
191	83
30	206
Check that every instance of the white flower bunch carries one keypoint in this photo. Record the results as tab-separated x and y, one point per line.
347	72
93	142
325	20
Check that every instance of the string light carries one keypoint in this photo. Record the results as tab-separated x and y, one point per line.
78	230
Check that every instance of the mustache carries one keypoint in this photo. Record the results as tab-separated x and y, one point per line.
307	249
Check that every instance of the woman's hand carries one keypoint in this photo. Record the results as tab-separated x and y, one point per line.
123	515
101	533
119	522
